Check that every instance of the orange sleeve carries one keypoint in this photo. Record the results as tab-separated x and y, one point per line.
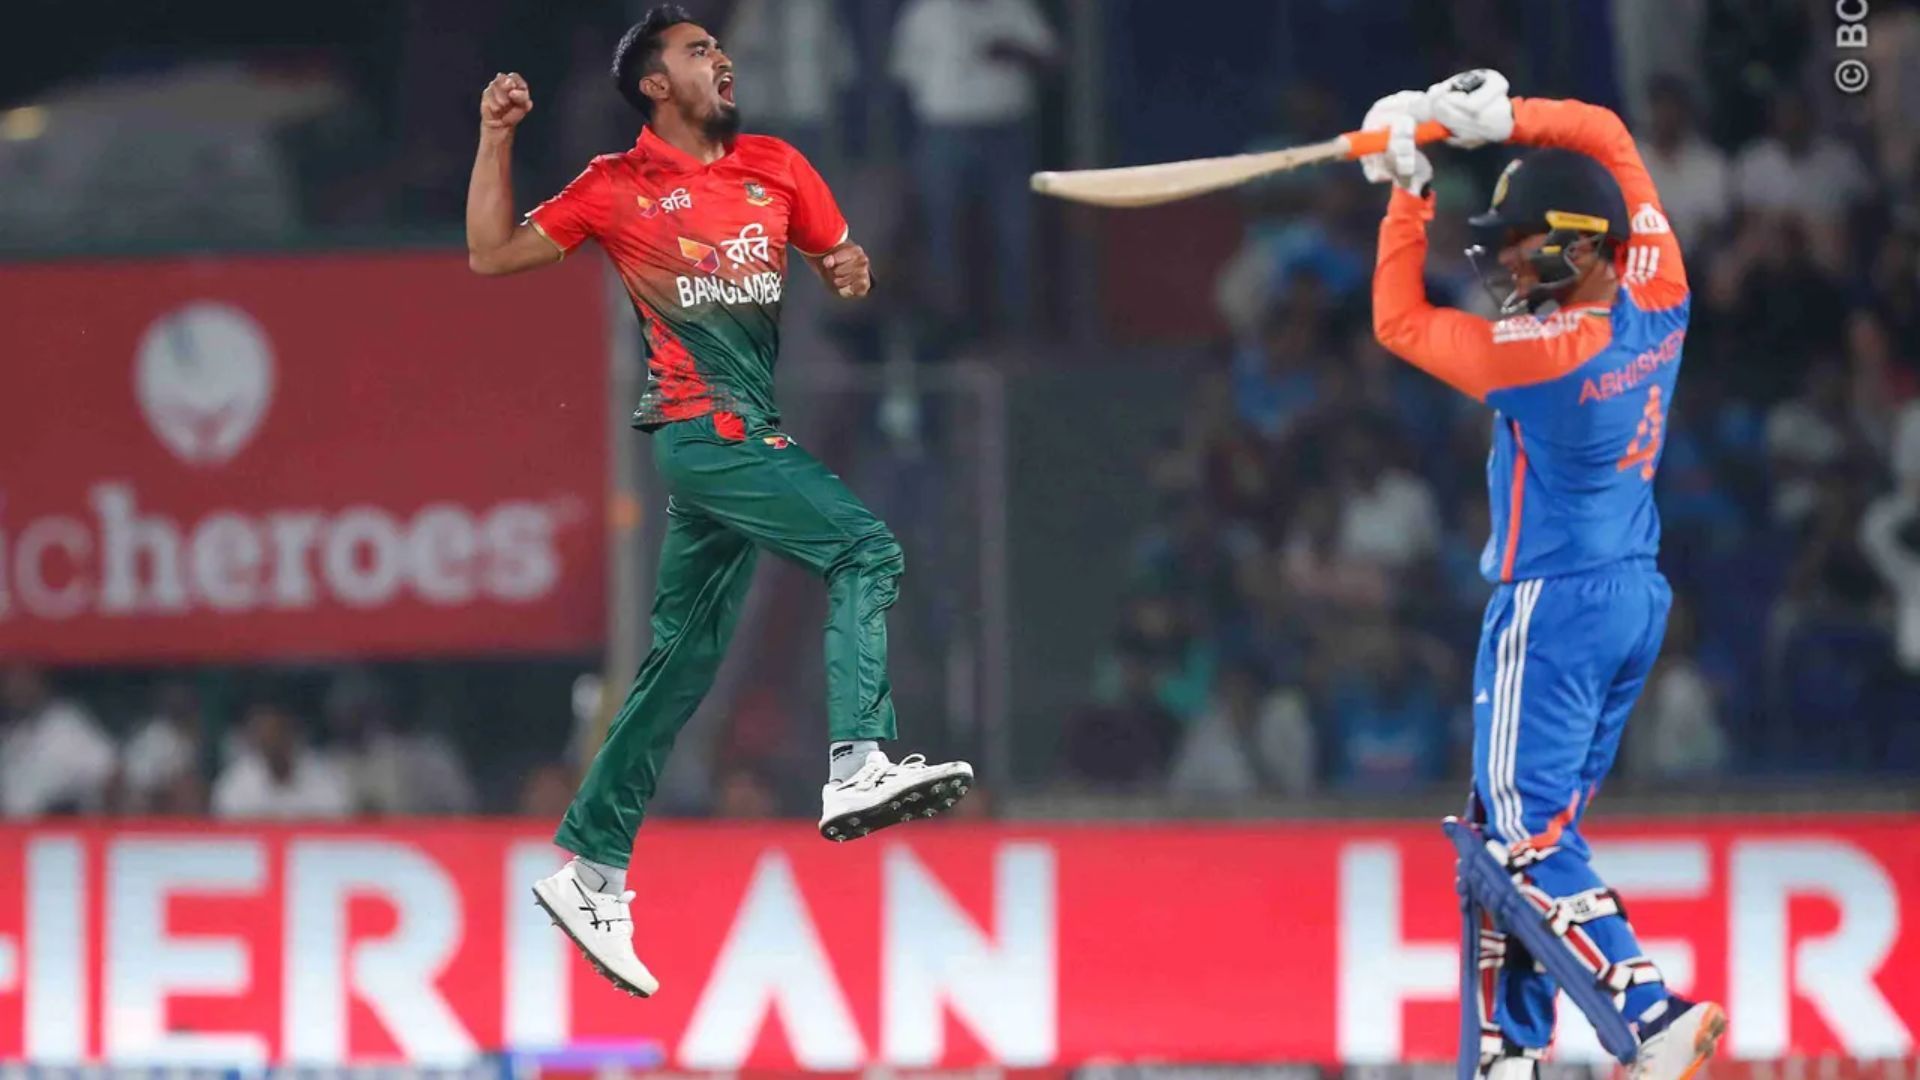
1653	270
1468	353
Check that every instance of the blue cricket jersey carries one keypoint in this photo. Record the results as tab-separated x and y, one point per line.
1582	395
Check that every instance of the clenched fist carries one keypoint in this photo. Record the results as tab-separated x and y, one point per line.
505	102
847	270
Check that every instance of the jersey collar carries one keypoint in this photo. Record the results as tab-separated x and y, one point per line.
660	149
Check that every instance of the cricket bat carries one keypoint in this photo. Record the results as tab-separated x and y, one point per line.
1151	185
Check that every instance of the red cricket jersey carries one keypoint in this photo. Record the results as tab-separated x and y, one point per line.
702	250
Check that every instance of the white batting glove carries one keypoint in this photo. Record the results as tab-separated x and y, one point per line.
1409	165
1475	106
1402	162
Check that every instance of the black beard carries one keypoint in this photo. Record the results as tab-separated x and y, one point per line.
722	123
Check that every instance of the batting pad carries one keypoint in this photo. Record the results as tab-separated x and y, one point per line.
1486	883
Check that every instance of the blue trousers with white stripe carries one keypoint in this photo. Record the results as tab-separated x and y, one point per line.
1561	662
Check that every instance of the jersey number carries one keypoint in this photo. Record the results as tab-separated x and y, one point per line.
1644	448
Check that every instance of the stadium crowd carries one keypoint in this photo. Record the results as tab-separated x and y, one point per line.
1300	610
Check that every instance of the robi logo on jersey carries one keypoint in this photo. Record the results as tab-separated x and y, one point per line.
677	199
704	257
752	244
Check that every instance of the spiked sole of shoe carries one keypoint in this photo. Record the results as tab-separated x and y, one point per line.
930	799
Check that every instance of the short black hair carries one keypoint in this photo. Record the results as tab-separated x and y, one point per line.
638	54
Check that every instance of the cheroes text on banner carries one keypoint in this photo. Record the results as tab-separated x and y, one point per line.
250	458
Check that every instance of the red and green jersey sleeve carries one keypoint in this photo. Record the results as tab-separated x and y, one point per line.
580	211
817	225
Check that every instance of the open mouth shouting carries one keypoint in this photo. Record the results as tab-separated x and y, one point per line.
725	86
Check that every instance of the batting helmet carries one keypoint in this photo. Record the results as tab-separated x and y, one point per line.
1566	195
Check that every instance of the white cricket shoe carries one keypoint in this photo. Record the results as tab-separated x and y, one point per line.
601	924
887	793
1676	1050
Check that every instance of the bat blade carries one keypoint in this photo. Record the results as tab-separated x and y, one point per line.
1151	185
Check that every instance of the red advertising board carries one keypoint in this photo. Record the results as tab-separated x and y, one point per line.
245	458
954	946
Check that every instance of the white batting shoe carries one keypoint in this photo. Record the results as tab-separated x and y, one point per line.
600	924
1676	1050
887	793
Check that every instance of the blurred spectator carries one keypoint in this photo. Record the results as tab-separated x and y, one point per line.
1318	569
1159	632
1320	248
1675	733
794	57
1213	457
1771	307
1890	536
1126	739
394	767
1249	740
1807	436
547	791
1387	514
277	776
1893	54
1751	52
1691	173
1895	281
1831	581
1381	707
165	753
54	759
1194	555
1274	382
1800	172
1651	39
745	791
1878	378
969	67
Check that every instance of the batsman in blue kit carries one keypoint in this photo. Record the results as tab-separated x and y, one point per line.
1580	371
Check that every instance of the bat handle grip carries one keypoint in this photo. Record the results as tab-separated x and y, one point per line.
1362	143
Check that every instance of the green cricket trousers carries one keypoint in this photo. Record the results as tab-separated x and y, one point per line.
727	498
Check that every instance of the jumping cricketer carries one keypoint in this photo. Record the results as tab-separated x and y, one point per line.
697	219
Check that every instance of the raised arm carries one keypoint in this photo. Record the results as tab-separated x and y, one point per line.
1475	106
1653	270
495	244
1468	353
